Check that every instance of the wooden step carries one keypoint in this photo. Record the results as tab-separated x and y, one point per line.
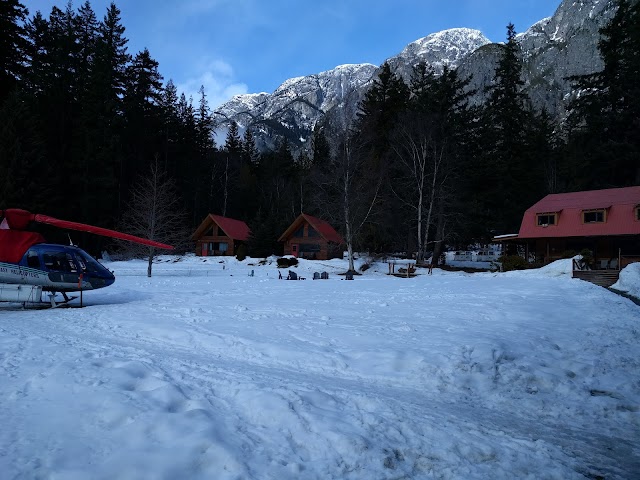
604	278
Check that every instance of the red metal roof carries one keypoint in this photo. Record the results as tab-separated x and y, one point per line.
326	230
322	227
234	229
619	203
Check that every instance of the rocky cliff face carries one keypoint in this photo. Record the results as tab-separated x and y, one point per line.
553	49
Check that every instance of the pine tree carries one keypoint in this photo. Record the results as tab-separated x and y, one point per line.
170	128
379	109
13	45
23	164
377	116
321	150
514	181
604	126
250	153
143	117
204	125
233	143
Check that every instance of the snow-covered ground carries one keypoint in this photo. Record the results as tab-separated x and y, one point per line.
206	372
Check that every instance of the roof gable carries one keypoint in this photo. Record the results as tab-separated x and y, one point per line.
323	228
619	203
234	229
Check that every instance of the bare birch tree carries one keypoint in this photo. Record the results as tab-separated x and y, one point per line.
155	212
421	154
347	191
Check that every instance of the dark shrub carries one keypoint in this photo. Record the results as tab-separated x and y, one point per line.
241	254
587	256
285	262
513	262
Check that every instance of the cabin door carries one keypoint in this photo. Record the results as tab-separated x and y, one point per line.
205	249
294	249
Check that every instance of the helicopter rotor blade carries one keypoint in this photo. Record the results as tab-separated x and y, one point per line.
82	227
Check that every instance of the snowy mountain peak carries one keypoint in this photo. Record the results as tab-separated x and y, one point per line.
448	47
463	38
553	49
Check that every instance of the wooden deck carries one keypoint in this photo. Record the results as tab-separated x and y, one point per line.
604	278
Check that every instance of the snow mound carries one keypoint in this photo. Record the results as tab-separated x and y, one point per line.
629	280
559	267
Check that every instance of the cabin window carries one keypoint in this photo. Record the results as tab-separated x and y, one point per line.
223	248
638	213
299	233
32	259
311	232
309	247
545	219
594	216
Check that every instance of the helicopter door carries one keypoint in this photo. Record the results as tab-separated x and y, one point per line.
33	260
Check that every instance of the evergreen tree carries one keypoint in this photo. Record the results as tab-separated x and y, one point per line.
379	109
250	153
604	126
144	91
321	150
514	179
204	125
13	44
170	128
143	117
23	164
233	142
377	115
103	113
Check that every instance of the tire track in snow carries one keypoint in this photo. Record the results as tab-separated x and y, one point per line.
199	382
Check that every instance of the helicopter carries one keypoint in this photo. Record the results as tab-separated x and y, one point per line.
30	266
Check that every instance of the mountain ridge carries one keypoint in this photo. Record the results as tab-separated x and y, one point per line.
553	49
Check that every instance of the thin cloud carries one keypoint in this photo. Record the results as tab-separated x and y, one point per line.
218	80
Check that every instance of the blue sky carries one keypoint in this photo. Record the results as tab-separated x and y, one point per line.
251	46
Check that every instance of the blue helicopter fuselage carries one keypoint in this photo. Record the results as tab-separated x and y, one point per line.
57	268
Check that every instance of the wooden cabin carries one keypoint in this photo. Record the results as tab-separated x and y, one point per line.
218	235
311	237
607	222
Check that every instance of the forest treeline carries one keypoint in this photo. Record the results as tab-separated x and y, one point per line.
83	120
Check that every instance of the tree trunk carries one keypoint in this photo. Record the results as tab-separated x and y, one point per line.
347	224
149	265
437	248
226	188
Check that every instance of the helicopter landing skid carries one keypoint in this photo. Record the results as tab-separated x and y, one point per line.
64	303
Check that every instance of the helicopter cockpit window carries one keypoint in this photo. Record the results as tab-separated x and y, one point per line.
71	262
60	261
32	259
87	263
